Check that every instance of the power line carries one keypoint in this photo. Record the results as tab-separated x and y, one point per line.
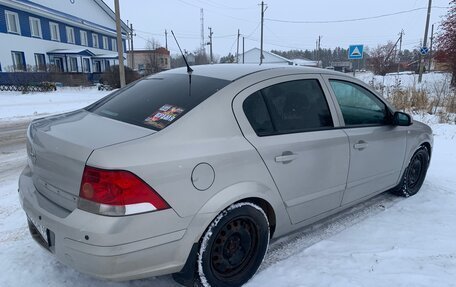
216	12
355	19
223	6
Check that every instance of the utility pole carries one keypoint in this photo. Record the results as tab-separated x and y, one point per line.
166	39
243	49
400	49
210	44
202	43
132	48
128	39
237	50
318	51
262	24
315	51
430	48
420	77
120	48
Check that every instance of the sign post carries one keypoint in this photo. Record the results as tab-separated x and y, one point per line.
355	52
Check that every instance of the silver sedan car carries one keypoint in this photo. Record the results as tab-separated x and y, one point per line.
195	174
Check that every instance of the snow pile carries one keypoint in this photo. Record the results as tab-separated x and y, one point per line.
407	79
14	105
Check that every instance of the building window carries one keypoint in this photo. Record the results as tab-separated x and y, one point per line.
55	32
35	27
86	65
12	22
105	43
84	39
70	35
40	62
95	40
114	45
18	60
73	64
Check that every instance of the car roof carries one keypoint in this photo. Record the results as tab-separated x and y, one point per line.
232	72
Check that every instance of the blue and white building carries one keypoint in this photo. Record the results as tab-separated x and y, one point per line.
58	35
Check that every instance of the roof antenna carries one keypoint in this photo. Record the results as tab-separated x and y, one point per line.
189	70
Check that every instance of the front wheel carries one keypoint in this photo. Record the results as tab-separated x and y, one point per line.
414	174
233	246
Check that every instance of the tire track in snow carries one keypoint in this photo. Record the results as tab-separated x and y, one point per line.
292	244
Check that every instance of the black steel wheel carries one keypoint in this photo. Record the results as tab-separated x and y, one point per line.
233	246
414	174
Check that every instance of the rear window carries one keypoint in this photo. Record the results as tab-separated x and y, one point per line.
157	101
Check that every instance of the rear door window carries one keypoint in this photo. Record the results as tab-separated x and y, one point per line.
257	113
157	101
289	107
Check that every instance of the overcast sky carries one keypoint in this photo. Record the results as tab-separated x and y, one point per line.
151	18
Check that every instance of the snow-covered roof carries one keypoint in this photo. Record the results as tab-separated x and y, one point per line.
72	52
114	56
253	56
304	62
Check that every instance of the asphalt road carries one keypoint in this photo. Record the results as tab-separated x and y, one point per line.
12	147
12	136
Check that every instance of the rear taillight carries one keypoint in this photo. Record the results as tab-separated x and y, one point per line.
117	193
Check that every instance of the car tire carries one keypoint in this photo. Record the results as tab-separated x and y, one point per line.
233	246
414	174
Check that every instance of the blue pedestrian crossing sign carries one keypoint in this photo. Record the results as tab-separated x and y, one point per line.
355	52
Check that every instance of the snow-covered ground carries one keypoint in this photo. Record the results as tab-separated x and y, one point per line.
387	241
15	105
407	79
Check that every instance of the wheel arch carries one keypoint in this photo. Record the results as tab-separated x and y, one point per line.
258	194
266	197
267	208
427	145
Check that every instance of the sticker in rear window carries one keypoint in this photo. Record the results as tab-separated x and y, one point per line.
164	116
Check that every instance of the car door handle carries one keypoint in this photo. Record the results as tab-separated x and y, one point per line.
360	145
286	157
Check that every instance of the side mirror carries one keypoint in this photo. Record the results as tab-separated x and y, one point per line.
402	119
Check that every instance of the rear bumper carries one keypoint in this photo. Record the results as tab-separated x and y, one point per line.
115	248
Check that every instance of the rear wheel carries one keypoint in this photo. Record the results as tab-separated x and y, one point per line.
414	174
233	246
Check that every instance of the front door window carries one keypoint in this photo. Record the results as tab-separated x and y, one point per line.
359	106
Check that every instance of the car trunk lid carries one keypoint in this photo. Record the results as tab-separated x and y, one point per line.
59	146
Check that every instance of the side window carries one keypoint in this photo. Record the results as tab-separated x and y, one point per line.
358	105
294	106
257	113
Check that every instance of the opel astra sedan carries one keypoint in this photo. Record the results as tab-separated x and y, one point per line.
195	174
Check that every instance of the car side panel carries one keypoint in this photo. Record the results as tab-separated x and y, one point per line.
314	182
376	167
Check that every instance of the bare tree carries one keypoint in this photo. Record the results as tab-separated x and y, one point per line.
201	58
446	41
381	60
152	61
